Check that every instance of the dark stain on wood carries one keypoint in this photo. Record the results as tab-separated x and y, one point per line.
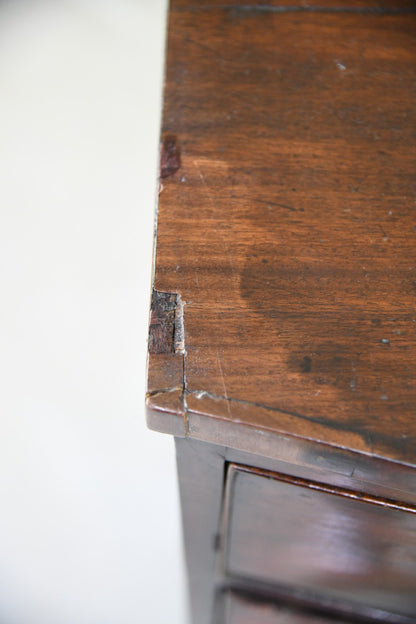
292	230
290	234
306	364
170	157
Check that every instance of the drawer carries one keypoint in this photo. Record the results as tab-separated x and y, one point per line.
332	544
239	610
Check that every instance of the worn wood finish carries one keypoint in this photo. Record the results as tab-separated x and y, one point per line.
289	229
336	543
283	325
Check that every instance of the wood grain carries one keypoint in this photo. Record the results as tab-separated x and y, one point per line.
220	560
300	534
289	229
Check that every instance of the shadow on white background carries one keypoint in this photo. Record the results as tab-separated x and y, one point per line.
89	518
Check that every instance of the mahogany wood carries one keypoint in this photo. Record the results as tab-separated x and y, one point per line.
283	326
297	532
289	228
201	480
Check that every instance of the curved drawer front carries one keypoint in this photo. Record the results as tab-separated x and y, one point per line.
328	543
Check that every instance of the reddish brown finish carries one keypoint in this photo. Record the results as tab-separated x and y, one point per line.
293	532
378	501
289	230
208	538
283	324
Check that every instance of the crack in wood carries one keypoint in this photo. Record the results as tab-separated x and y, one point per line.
155	393
368	437
167	336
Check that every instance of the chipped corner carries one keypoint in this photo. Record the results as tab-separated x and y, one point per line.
170	155
165	397
166	331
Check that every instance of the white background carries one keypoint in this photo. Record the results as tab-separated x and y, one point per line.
89	515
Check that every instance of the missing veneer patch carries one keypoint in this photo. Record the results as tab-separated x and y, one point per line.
170	156
166	333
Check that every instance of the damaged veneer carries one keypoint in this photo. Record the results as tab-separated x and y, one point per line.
166	334
165	388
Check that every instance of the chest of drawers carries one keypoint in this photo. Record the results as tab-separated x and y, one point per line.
282	344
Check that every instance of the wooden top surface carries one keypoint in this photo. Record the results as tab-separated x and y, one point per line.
287	222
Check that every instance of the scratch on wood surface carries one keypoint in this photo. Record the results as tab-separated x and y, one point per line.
223	383
318	420
221	60
158	392
210	164
269	203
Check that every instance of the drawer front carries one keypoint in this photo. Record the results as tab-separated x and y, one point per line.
240	610
326	543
